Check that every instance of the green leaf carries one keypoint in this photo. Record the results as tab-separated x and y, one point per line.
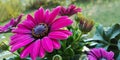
118	44
115	31
69	52
107	36
118	58
99	33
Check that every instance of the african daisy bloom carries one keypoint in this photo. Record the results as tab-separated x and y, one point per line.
100	54
71	10
41	33
10	25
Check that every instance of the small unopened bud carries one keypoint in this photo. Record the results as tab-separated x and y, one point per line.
85	24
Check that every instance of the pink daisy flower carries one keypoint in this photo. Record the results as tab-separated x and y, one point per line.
40	34
71	10
10	25
100	54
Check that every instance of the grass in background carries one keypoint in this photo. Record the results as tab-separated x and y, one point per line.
106	12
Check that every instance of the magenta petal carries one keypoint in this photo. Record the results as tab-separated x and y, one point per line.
103	52
39	15
12	21
56	44
47	44
96	52
42	51
21	26
110	55
35	51
53	14
24	31
8	26
91	57
28	24
65	31
62	11
19	39
58	35
61	22
26	51
14	36
29	17
17	46
47	13
18	20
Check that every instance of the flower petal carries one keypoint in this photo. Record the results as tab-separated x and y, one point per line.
42	51
23	27
61	22
58	35
47	44
19	39
56	44
17	46
96	52
91	57
65	31
103	52
39	15
35	51
14	36
8	26
24	31
26	51
29	17
18	20
53	14
47	15
62	11
110	55
28	24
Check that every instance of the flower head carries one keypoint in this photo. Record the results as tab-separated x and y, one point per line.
71	10
40	34
100	54
10	25
85	24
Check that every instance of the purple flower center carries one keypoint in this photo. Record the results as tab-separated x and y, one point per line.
102	59
40	30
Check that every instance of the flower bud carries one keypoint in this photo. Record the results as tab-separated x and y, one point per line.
85	24
71	10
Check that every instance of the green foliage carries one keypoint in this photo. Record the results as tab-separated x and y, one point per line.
10	8
108	38
57	57
35	4
104	12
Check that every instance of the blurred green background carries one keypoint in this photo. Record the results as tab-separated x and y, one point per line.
105	12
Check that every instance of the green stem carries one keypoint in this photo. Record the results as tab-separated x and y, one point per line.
9	50
112	44
77	39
